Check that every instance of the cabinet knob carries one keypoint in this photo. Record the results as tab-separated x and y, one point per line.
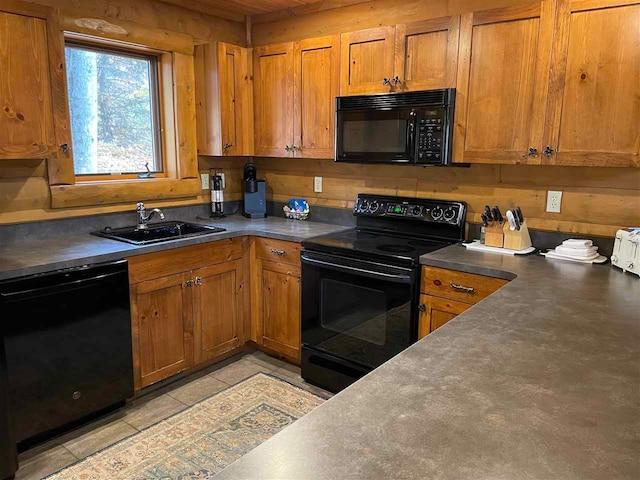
188	283
296	148
533	152
422	308
386	81
548	151
227	146
198	280
65	148
396	80
287	148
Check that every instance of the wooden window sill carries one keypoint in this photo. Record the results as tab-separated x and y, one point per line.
122	191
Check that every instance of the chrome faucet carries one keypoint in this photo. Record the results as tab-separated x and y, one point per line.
143	218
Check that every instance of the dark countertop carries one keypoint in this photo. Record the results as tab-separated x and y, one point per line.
29	257
540	380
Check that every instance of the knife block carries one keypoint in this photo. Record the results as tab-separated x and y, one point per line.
494	235
516	239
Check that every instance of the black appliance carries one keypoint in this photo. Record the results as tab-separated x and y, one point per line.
414	128
67	340
361	287
255	193
8	453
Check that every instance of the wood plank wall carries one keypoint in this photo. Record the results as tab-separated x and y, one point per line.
595	201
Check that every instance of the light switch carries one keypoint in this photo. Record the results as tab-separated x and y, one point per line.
317	184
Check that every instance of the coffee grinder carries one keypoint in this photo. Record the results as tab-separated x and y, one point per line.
217	195
255	193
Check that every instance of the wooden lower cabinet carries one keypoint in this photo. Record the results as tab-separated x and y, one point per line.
162	326
218	306
276	297
182	315
447	293
435	312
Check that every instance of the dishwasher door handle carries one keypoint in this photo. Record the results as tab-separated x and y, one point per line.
58	288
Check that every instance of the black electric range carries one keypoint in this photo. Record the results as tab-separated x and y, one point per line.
361	287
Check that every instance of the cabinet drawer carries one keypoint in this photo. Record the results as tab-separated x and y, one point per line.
460	286
161	264
278	251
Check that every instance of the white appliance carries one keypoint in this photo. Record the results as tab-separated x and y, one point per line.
626	250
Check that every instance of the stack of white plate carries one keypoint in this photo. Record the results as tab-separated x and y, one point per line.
576	250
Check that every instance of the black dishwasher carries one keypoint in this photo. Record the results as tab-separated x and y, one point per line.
67	339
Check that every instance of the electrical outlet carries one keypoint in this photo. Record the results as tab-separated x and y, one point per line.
204	181
554	201
317	184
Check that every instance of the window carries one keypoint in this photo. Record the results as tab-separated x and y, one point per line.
115	115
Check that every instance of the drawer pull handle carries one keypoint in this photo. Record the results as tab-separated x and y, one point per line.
277	252
462	288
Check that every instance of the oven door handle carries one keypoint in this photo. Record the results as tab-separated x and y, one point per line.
390	277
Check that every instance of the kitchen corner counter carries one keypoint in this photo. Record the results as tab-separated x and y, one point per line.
30	257
539	380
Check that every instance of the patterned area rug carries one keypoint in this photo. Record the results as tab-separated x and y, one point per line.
198	442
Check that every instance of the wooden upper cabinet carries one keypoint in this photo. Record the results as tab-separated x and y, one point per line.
218	306
502	83
34	122
316	84
594	102
426	55
224	99
273	95
367	59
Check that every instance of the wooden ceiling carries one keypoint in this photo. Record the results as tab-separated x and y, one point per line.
237	9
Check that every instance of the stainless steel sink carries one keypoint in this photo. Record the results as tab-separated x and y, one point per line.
158	232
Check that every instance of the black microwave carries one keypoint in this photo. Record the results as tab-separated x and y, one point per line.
413	128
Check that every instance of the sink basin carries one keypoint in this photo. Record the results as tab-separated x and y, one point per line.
157	232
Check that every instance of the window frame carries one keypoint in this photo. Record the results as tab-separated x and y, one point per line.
157	115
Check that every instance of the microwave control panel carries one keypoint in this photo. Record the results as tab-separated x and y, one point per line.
431	144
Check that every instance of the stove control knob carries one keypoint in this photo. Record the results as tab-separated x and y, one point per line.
364	205
449	214
373	207
436	213
417	210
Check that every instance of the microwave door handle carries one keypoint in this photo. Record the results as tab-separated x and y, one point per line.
359	271
411	135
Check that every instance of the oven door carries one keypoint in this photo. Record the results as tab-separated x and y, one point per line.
356	310
376	136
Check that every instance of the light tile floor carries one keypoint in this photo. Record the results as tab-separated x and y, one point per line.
143	412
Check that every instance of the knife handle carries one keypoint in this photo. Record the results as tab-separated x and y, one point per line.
519	215
512	220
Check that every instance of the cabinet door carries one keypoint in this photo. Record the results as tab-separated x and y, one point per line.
218	304
224	99
279	304
366	59
236	100
162	328
594	109
273	94
32	86
427	54
435	312
316	86
502	83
